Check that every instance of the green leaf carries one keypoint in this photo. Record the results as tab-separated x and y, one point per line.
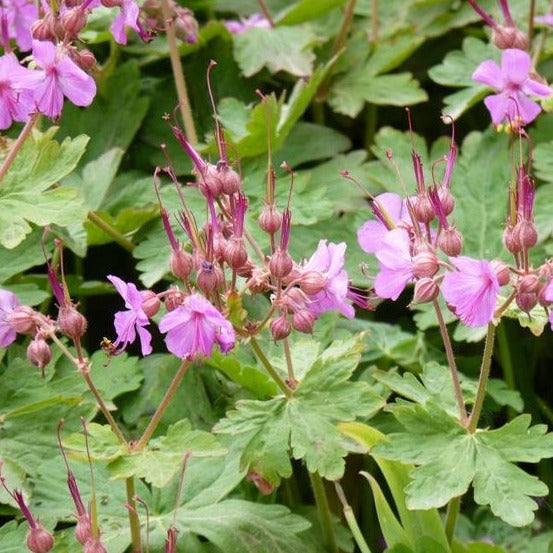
305	10
13	537
279	49
163	457
303	425
27	196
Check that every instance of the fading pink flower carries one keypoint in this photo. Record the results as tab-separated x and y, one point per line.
127	17
514	85
395	263
471	290
371	233
255	21
8	302
328	260
60	76
16	91
194	328
129	323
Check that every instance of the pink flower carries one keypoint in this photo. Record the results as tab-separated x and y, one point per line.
328	260
16	91
254	21
194	327
129	323
387	205
395	263
60	77
8	302
513	83
21	14
127	17
471	290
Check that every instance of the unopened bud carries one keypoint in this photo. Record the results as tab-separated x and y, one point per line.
270	219
236	253
83	530
446	199
528	283
181	264
219	246
71	322
264	487
210	277
39	540
43	29
73	21
230	180
501	271
86	60
303	321
22	319
425	264
312	282
186	26
150	303
526	300
211	181
509	37
94	546
39	353
281	263
174	298
424	212
280	327
450	241
509	240
526	234
426	290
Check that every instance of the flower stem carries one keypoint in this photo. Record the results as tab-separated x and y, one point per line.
531	15
14	150
178	75
351	520
451	517
134	523
325	517
289	364
265	10
452	365
111	231
269	368
374	21
141	444
506	363
483	380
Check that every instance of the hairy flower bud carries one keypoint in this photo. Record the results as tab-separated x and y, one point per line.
73	21
425	264
446	199
528	284
85	60
422	206
236	253
525	234
71	322
210	277
270	219
181	264
186	26
43	29
150	303
264	486
39	540
83	530
211	181
94	546
450	241
39	353
526	300
280	327
230	179
303	321
312	282
281	263
501	271
426	290
22	320
509	37
509	240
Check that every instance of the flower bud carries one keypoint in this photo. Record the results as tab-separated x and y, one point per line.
39	540
219	246
425	264
83	530
150	303
210	277
281	263
94	546
39	353
86	60
509	37
112	3
73	21
450	241
422	206
230	180
446	199
22	319
181	264
43	29
312	282
509	240
174	298
236	253
73	3
303	321
526	300
528	283
71	322
211	181
426	290
526	234
280	327
501	271
270	219
186	26
264	487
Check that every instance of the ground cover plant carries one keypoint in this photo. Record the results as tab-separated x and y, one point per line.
275	276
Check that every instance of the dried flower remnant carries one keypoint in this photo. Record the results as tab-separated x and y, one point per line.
514	85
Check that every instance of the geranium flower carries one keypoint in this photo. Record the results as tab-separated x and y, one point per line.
395	263
513	83
371	233
132	321
16	91
21	14
60	76
127	17
329	260
8	302
254	21
471	290
194	328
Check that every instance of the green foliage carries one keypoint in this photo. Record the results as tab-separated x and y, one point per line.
303	425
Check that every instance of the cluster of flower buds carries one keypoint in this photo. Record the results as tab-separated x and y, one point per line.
182	19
